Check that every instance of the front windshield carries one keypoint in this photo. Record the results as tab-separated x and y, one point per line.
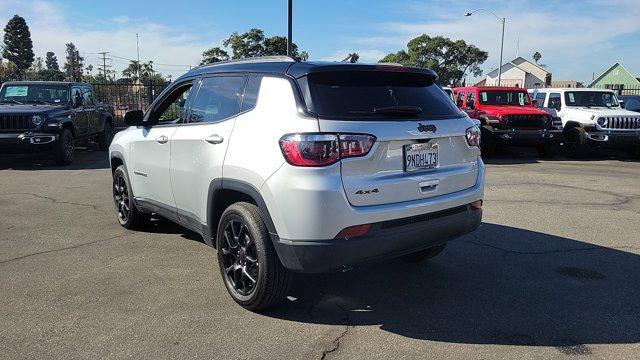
34	93
504	97
590	98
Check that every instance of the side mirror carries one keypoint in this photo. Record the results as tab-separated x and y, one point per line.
459	103
133	118
534	102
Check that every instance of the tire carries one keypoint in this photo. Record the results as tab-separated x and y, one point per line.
128	214
423	255
548	150
575	142
105	137
65	148
488	144
249	265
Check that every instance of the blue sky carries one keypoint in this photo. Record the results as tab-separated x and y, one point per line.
575	38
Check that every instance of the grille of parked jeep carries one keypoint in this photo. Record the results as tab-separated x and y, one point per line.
15	122
421	218
527	121
621	122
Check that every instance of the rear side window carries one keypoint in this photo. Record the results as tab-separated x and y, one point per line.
251	91
375	95
218	98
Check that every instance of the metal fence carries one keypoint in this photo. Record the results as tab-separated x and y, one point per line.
125	97
620	89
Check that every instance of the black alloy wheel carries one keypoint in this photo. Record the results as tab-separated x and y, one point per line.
121	198
240	258
65	148
129	216
249	265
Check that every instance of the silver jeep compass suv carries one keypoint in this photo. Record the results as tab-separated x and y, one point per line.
288	166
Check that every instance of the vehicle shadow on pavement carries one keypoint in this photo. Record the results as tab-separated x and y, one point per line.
86	159
500	285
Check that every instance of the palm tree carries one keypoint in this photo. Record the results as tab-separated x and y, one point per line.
352	58
536	56
131	72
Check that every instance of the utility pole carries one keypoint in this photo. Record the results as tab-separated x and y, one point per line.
104	64
289	28
138	50
138	72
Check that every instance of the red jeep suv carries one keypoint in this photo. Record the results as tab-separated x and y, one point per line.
509	117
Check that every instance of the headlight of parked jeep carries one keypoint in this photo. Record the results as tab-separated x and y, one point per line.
601	121
37	120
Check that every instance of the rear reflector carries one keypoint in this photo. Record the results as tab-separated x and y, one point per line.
476	205
353	231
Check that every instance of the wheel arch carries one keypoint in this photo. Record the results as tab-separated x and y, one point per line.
572	124
116	159
223	193
69	126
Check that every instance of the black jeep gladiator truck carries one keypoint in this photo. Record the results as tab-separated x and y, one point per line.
49	117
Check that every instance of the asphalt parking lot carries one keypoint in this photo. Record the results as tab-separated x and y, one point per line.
553	272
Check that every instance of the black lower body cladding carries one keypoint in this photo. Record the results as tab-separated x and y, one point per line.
387	239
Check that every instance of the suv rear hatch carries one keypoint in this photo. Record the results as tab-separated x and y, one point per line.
421	150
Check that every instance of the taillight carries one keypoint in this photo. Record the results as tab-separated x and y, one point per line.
323	149
473	136
355	145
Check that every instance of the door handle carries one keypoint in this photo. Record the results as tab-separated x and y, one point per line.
162	139
214	139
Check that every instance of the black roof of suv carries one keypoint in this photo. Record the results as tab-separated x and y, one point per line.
287	66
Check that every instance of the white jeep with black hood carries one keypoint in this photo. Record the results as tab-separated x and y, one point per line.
591	118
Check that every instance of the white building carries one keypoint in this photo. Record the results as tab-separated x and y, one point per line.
520	72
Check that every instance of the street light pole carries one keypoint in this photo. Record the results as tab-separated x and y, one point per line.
289	28
503	20
501	50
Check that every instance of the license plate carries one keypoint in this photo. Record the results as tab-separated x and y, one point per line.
420	156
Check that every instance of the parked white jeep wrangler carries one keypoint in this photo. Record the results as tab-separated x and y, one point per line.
591	118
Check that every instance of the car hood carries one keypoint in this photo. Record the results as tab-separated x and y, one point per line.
30	108
598	111
512	110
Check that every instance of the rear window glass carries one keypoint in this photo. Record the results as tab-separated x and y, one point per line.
376	95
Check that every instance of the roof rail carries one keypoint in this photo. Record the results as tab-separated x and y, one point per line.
271	58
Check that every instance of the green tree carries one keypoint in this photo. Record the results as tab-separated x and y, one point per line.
18	47
249	44
448	58
51	72
132	71
254	43
536	56
51	61
142	71
73	65
352	58
214	55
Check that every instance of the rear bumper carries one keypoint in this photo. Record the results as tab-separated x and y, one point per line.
525	137
614	139
386	239
26	142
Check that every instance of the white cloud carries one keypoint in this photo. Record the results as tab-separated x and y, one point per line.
575	39
51	29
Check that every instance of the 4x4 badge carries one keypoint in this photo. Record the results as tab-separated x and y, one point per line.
426	128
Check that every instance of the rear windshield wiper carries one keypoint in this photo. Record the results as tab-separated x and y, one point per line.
12	101
398	110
